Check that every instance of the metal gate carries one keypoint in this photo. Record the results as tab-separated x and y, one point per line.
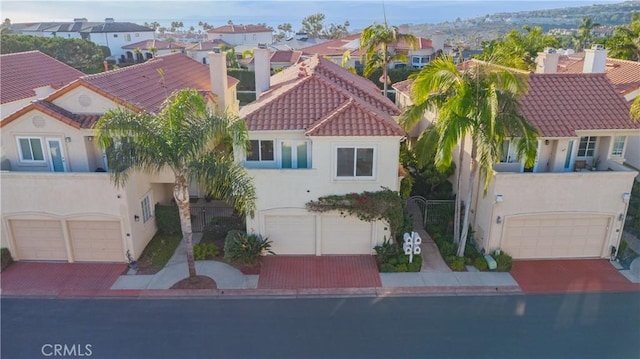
433	212
202	214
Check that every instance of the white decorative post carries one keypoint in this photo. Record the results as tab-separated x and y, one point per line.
411	245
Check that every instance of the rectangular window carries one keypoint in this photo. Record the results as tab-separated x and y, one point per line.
115	35
30	149
294	154
127	37
261	150
354	162
587	146
618	146
146	208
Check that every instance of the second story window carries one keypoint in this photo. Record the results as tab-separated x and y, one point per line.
261	150
587	146
295	154
30	149
127	37
355	162
618	146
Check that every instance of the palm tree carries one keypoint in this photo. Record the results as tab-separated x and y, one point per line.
480	103
625	42
187	140
584	31
375	40
635	109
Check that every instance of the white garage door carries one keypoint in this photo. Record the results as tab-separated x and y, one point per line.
348	235
96	241
555	237
291	234
39	239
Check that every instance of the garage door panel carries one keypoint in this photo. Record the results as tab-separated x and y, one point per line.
39	239
555	237
291	234
348	235
99	241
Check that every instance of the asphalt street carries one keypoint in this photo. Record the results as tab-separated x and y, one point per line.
507	326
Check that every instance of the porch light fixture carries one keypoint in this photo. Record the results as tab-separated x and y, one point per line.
136	218
626	196
499	198
67	139
90	138
499	220
546	142
620	217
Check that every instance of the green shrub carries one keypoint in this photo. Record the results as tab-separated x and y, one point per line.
247	79
401	268
622	249
167	219
470	250
202	251
481	264
5	258
243	248
456	263
387	268
503	262
394	261
416	265
387	250
448	249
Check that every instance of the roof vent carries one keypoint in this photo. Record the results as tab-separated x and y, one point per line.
109	20
597	47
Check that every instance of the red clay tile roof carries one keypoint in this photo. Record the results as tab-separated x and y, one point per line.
403	86
72	119
561	104
286	56
239	29
21	72
625	75
207	45
141	86
331	48
157	44
321	98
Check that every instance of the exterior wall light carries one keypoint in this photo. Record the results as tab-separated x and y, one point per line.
136	218
67	139
499	198
499	220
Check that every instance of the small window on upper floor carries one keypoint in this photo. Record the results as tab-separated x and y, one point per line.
115	35
261	150
295	154
137	35
355	162
618	146
30	149
127	37
587	146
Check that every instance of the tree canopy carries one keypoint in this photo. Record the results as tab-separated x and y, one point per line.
625	42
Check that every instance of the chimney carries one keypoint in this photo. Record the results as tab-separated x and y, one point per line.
595	59
437	41
218	78
109	20
547	61
262	63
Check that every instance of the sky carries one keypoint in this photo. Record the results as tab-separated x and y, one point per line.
360	13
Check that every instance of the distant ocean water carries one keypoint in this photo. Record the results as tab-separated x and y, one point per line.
361	13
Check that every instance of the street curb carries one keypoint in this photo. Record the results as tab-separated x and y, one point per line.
268	293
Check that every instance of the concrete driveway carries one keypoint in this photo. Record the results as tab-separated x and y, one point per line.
570	276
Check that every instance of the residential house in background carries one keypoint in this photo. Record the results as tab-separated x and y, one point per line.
109	33
297	42
316	129
200	51
573	202
27	76
148	49
57	201
241	34
280	59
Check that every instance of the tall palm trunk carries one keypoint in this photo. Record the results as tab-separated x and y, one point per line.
181	195
467	207
384	70
456	215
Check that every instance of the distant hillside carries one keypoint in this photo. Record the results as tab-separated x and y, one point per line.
475	30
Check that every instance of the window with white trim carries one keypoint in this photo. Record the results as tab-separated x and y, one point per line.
618	146
30	149
587	146
295	154
146	208
127	37
355	162
509	152
261	150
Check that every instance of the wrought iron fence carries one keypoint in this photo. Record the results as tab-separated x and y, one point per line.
201	215
434	212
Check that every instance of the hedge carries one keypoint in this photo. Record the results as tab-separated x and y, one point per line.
168	219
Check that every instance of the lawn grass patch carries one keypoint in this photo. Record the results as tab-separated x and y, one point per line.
158	252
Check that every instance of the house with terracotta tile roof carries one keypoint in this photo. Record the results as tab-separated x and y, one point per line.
316	129
148	49
417	56
26	76
200	50
241	34
572	203
279	59
58	203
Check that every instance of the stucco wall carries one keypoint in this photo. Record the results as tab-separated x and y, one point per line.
84	101
10	107
243	38
115	43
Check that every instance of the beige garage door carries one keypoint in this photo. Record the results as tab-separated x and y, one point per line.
555	237
96	241
291	234
346	235
39	239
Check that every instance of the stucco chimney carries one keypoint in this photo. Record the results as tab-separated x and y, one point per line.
218	78
595	59
262	63
109	20
547	61
437	41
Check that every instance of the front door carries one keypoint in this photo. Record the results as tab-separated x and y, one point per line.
58	162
